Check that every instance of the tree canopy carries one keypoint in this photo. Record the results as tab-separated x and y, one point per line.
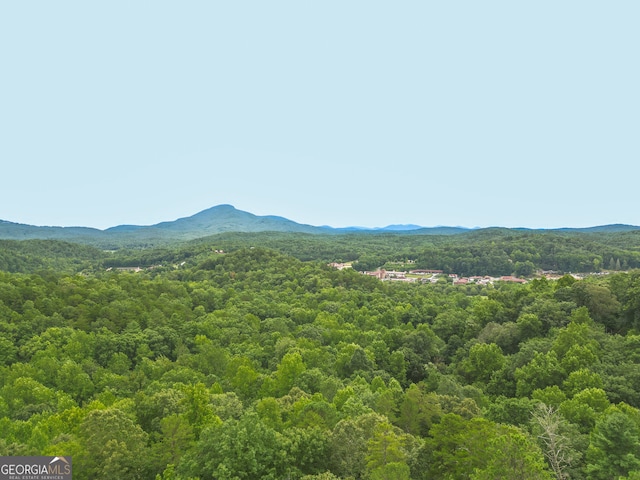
261	363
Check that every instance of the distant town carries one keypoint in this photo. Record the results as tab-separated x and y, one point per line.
433	276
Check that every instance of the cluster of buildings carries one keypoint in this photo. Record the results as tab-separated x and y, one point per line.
340	266
141	269
431	276
553	275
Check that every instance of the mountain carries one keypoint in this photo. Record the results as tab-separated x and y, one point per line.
400	228
614	228
219	219
226	218
19	231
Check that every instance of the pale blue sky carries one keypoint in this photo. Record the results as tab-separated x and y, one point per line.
326	112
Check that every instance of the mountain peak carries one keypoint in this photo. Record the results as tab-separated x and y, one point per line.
225	207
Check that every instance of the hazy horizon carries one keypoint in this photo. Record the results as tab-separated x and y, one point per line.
367	227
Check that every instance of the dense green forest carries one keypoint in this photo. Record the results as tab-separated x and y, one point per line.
493	251
263	362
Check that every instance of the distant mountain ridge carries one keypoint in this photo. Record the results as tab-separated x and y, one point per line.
616	227
226	218
218	219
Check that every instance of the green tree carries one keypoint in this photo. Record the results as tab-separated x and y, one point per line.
387	453
114	446
483	361
615	447
197	407
237	449
418	411
176	438
349	444
581	379
288	371
524	269
513	455
542	371
455	449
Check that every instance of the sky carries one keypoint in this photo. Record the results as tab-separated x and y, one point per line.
369	113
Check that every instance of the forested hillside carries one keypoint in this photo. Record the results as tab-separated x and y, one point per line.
481	252
255	364
41	255
493	251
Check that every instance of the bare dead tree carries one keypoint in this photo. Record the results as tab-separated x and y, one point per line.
555	445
